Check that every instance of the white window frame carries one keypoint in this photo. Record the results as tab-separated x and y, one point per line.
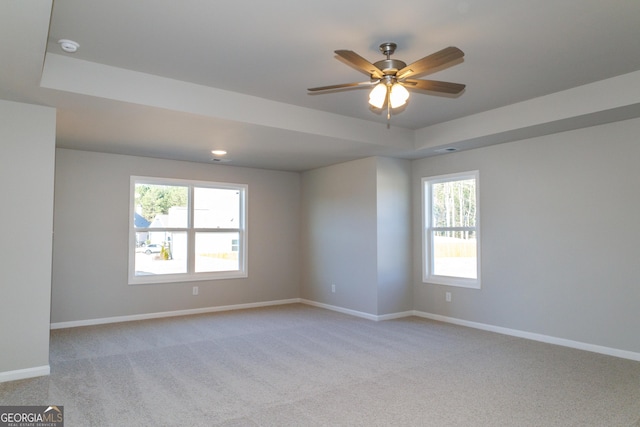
190	275
427	231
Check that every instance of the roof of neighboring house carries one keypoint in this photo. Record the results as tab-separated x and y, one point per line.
139	221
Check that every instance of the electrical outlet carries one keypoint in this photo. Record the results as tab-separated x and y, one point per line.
447	296
195	290
333	288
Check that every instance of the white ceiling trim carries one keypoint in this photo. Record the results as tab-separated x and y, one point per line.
538	116
617	98
98	80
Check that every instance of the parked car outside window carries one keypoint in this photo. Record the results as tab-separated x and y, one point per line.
149	249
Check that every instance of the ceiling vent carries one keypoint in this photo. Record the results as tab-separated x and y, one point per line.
446	150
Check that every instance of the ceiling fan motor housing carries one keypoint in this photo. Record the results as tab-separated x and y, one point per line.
390	66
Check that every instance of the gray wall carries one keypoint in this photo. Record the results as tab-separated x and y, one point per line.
339	235
560	236
393	192
356	235
27	136
91	234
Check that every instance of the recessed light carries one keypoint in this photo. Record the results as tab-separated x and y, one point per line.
68	45
218	152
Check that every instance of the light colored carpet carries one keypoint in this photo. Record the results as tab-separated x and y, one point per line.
296	365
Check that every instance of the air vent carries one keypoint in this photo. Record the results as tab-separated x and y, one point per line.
446	150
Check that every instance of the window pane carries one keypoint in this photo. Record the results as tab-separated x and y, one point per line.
160	206
162	253
455	254
186	230
454	203
217	252
216	208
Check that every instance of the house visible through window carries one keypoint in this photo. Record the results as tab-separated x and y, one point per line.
451	230
186	230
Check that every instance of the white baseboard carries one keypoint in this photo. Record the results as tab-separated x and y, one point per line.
624	354
398	315
356	313
157	315
34	372
341	309
21	374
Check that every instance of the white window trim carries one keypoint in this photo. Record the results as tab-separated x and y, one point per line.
190	276
427	244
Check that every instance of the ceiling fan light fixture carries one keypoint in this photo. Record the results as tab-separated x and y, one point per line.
398	96
378	95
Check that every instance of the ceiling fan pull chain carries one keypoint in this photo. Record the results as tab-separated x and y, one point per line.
388	111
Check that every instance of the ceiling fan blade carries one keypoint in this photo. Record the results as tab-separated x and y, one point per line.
360	63
435	86
434	60
343	85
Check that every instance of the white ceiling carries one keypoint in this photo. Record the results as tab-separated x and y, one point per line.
171	79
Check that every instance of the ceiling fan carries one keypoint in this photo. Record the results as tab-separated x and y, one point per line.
391	77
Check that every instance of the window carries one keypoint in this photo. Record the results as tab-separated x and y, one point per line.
451	238
186	230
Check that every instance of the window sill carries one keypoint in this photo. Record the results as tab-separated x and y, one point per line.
453	281
179	278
